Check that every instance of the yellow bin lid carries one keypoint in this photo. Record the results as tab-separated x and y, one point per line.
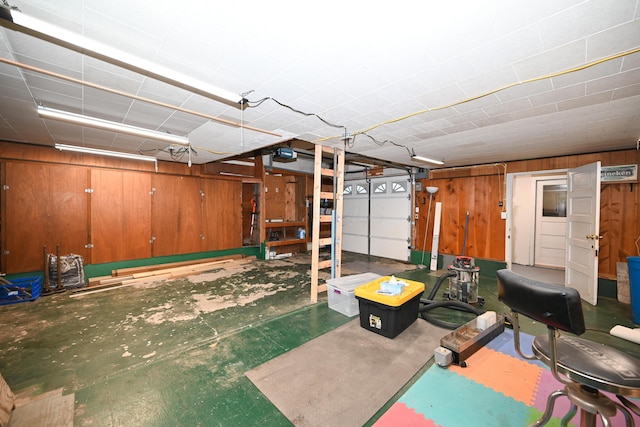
370	291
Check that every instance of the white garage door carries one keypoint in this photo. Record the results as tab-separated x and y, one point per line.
376	217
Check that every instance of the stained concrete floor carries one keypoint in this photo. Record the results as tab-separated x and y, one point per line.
175	353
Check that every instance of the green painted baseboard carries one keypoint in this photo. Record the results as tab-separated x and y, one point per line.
97	270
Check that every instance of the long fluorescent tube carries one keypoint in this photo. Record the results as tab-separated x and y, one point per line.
426	160
65	116
16	20
87	150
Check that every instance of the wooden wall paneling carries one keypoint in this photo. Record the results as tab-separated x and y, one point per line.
120	215
3	210
479	232
449	195
248	190
422	203
222	214
45	205
26	215
290	209
176	215
274	197
69	214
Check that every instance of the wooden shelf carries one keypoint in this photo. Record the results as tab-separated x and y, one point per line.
286	224
285	242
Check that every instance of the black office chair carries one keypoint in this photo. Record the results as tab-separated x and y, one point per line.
584	367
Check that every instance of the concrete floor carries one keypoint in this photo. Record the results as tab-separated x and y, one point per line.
175	353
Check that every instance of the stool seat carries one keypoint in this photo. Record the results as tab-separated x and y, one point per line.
585	368
592	364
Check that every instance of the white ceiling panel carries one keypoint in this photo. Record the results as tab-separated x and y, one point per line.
463	81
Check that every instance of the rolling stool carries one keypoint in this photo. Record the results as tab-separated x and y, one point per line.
584	367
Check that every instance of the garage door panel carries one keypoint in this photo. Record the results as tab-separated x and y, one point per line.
379	216
356	226
358	207
354	243
389	228
387	248
388	207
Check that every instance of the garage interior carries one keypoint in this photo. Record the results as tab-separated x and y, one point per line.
209	220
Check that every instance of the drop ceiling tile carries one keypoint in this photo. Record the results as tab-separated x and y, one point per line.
558	95
572	104
626	92
583	20
616	40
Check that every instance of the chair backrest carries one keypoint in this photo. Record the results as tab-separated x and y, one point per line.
556	306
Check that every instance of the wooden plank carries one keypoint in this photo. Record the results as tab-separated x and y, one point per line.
324	264
133	270
315	246
327	172
324	218
274	243
115	282
96	280
339	185
326	195
325	241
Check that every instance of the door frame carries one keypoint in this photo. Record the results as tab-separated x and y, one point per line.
535	175
592	299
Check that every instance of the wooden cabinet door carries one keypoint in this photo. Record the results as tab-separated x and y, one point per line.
222	214
176	215
46	205
120	215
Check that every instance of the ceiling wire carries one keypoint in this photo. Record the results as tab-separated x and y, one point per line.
254	104
349	140
534	79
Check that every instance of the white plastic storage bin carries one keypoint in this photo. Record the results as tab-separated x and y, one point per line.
340	292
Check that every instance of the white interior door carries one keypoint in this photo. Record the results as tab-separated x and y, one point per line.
377	217
551	221
583	230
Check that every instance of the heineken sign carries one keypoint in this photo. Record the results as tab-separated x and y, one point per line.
622	173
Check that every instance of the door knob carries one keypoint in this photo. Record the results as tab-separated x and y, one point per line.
594	237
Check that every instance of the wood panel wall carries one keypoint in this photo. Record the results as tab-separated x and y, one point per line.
46	199
480	189
222	215
120	215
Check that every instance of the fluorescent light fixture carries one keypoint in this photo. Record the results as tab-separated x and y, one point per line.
18	21
426	160
79	119
87	150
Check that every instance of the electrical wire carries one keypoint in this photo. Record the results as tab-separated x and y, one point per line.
500	89
349	141
255	104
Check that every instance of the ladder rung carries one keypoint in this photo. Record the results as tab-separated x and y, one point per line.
322	288
325	218
324	264
327	172
326	195
328	149
324	241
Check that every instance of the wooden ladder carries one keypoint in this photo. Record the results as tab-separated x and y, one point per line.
335	240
